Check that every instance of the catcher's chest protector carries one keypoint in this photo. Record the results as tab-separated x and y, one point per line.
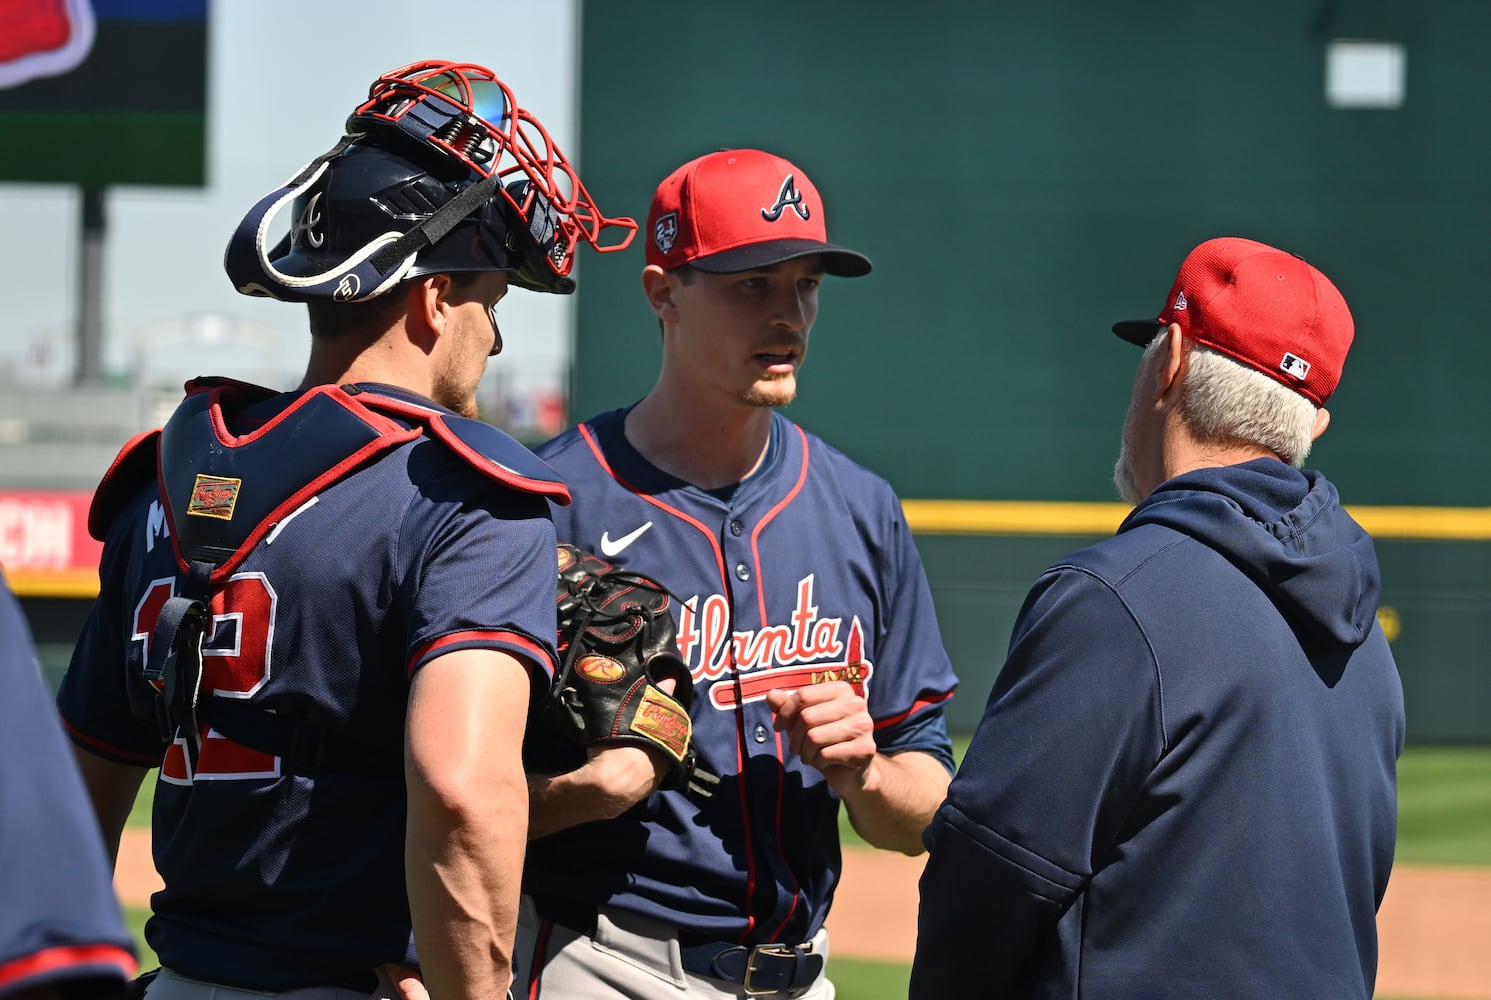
224	492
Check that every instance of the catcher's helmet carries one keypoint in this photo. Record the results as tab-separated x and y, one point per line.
439	171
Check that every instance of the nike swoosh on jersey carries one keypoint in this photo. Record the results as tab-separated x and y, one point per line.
613	548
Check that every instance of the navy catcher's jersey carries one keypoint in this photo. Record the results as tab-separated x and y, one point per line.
59	921
806	573
278	876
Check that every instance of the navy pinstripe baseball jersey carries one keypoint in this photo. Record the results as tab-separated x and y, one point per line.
279	875
805	573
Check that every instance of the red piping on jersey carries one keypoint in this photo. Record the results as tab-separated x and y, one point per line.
108	749
539	958
796	896
802	477
525	645
916	706
66	957
719	560
391	434
719	556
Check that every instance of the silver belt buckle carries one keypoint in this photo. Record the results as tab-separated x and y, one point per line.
775	950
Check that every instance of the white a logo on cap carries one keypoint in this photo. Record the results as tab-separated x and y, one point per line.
665	232
1295	366
309	223
1180	302
788	195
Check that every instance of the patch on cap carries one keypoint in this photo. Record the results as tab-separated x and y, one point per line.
665	232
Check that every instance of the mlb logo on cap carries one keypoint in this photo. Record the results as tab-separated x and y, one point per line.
1296	367
1263	307
739	210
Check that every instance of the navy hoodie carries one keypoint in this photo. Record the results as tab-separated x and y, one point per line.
1184	782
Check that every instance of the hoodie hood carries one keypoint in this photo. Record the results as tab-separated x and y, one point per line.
1286	529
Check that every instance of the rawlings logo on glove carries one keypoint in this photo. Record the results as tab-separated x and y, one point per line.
617	641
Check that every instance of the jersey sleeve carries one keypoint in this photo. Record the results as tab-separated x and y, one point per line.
61	924
485	577
912	676
1070	732
104	708
925	732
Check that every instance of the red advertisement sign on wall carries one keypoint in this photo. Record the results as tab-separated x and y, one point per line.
45	548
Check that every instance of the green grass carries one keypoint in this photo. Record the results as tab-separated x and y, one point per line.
1444	805
140	814
856	979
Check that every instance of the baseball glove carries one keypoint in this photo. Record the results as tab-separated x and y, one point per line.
616	641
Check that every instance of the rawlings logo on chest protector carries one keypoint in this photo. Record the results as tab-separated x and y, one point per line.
214	496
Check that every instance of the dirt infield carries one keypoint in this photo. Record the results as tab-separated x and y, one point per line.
1435	923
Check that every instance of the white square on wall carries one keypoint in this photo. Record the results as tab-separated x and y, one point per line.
1363	74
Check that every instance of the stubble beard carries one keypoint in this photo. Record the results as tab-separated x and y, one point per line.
456	394
1123	468
771	392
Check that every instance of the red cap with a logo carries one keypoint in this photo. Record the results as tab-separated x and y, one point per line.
1265	308
739	210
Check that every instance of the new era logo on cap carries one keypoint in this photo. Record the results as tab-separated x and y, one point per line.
739	210
1260	306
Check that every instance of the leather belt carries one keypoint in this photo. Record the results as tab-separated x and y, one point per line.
762	970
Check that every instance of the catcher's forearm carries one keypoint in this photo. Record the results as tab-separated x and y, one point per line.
111	788
892	802
467	817
462	896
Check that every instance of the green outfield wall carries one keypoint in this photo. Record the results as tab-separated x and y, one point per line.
1023	175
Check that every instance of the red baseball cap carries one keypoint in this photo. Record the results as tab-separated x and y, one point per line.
1266	308
738	210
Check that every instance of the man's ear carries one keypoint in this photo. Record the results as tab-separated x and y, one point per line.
1322	421
1175	358
427	308
658	288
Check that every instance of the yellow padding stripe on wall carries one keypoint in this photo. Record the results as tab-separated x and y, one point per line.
1016	517
983	517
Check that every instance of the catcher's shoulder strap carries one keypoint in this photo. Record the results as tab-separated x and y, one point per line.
480	445
224	491
131	469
